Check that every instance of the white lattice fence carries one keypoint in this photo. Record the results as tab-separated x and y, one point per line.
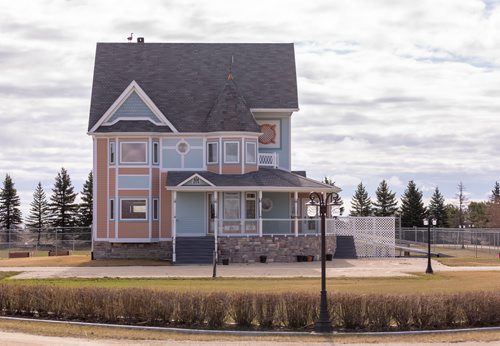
373	236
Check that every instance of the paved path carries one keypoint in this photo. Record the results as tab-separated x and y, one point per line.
338	268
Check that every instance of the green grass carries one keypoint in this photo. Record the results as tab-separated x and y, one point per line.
444	282
4	275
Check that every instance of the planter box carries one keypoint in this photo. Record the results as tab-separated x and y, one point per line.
19	254
60	253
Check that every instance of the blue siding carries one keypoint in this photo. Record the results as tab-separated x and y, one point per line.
171	158
191	215
133	182
194	159
195	142
284	149
280	210
134	107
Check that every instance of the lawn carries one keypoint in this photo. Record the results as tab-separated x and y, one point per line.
445	282
75	261
456	256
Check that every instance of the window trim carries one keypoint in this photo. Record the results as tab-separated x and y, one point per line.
254	162
225	152
112	153
133	199
177	147
234	199
156	209
138	162
216	150
155	153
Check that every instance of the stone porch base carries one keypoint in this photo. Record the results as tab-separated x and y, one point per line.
159	251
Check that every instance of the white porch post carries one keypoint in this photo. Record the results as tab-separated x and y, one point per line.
174	223
296	213
216	222
260	213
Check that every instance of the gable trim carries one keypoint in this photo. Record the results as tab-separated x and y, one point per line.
192	177
133	87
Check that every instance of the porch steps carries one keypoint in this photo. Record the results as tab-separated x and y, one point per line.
194	250
345	247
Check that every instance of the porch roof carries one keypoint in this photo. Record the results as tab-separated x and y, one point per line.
264	179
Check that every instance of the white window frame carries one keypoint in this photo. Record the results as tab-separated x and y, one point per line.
254	162
112	210
238	203
216	150
225	152
137	162
182	141
156	209
133	199
251	196
155	150
112	153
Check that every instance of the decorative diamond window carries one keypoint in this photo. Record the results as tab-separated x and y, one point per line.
182	147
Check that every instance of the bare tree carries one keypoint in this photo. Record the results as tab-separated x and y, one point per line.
462	203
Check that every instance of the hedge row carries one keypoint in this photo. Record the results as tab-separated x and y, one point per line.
293	311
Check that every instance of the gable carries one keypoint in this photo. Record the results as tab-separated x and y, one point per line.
196	180
131	106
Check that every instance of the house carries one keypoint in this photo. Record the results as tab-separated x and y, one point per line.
192	154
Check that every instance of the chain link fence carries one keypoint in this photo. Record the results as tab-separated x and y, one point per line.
38	242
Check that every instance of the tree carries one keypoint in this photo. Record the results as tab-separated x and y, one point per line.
452	215
337	200
38	217
437	209
495	193
386	204
86	206
477	214
462	204
361	204
63	208
10	214
412	206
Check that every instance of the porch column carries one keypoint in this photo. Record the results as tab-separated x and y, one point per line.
216	222
260	213
296	213
174	223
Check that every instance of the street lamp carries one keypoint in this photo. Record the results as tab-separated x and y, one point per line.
323	324
427	222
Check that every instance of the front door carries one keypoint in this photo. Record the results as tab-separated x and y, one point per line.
211	213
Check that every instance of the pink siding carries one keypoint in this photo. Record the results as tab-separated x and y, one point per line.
133	170
166	209
231	169
112	182
101	187
133	230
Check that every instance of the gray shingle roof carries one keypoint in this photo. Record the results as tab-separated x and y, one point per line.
266	177
184	79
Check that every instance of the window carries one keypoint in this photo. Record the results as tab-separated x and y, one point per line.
231	152
231	205
155	209
112	153
182	147
155	152
251	152
133	152
111	209
212	153
133	209
267	204
250	206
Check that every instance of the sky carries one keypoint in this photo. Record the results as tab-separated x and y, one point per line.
388	89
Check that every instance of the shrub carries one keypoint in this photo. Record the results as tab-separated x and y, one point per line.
402	312
266	306
297	310
379	312
216	309
352	311
189	309
243	309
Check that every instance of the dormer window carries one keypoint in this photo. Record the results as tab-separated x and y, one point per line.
231	152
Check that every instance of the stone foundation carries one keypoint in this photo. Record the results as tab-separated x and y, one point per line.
276	248
158	251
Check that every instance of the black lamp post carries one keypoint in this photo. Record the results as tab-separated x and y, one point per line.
323	324
427	222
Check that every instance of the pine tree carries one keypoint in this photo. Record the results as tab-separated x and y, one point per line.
63	208
386	204
437	209
412	206
495	193
337	200
361	204
10	214
39	212
86	206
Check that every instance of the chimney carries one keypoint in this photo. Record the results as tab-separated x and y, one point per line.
140	40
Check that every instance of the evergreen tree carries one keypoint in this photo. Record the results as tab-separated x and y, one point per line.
477	214
337	200
63	208
452	215
86	206
412	207
361	204
386	204
437	209
39	212
495	193
10	214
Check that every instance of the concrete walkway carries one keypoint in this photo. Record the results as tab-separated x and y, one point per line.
338	268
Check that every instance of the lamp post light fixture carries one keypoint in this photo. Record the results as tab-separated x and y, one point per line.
323	324
427	222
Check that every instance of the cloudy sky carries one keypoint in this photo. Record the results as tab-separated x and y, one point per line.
388	89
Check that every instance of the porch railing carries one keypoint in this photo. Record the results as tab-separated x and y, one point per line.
268	159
